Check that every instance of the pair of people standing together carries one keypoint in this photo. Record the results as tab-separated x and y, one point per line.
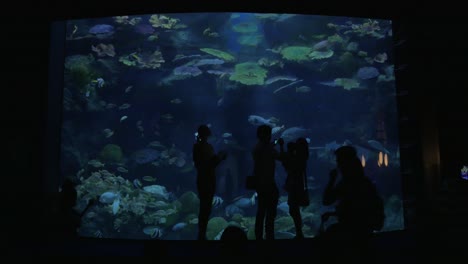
265	156
295	163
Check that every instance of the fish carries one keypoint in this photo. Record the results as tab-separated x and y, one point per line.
153	231
280	78
135	56
246	202
286	86
122	169
227	135
303	89
283	207
149	178
110	106
187	169
232	209
274	119
179	226
258	120
276	130
293	133
137	183
123	118
176	101
128	89
124	106
381	57
217	201
96	163
99	82
108	133
220	101
108	197
116	206
157	204
180	162
167	117
157	190
75	28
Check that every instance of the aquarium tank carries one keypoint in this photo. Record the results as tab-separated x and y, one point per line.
137	87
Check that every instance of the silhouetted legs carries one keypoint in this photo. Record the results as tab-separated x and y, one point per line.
266	213
295	213
206	200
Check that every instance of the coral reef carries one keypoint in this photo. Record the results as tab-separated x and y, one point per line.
111	153
249	73
296	53
220	54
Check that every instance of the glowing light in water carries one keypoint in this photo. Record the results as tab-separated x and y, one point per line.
380	161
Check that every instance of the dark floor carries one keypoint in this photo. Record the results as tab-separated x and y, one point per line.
441	232
391	247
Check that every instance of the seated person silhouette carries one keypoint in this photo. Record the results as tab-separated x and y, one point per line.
359	208
69	220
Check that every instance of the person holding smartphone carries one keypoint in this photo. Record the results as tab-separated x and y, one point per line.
205	161
359	208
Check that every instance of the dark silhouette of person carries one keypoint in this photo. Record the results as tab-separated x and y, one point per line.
359	208
206	162
264	156
233	233
234	241
295	163
69	220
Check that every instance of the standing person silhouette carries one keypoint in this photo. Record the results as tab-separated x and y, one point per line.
264	156
295	163
296	190
206	162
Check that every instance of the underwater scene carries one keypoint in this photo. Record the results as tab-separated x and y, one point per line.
136	88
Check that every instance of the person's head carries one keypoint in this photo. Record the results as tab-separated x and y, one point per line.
302	148
69	194
203	132
233	233
348	161
233	241
291	147
264	133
